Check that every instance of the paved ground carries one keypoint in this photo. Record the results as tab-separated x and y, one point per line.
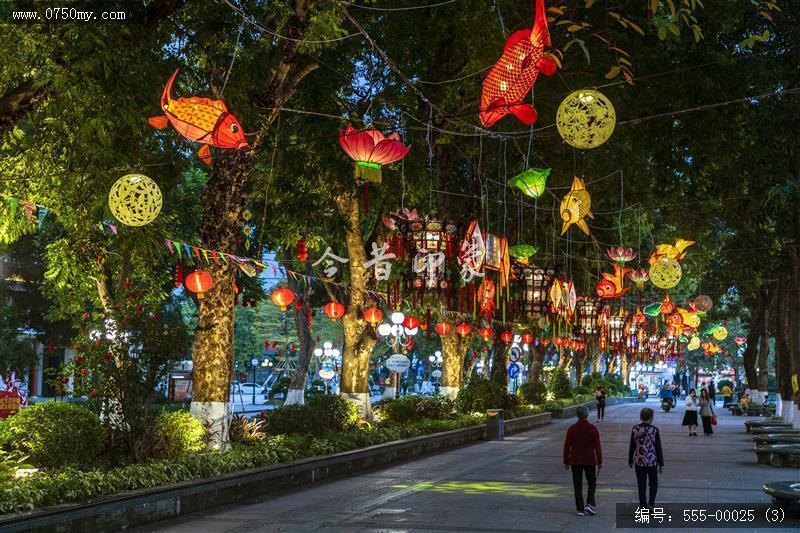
515	485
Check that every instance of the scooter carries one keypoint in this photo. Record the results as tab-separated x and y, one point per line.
666	404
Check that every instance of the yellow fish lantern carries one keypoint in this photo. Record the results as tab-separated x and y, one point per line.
694	343
670	251
721	333
575	206
689	318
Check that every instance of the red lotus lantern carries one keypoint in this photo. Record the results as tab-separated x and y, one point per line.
486	333
443	328
282	297
527	338
371	150
334	310
507	337
463	329
373	315
411	322
302	251
198	282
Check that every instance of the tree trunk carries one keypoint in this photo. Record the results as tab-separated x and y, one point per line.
763	356
454	349
563	359
625	368
783	365
749	356
536	356
212	351
358	338
500	366
611	366
302	324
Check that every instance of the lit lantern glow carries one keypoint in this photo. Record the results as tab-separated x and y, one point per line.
443	328
507	337
282	297
135	200
586	119
373	315
199	282
463	329
486	334
334	310
532	182
370	150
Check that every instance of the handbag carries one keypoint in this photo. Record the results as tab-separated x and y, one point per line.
714	420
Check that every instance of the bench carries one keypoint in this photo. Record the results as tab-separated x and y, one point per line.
786	495
779	454
751	424
775	429
776	438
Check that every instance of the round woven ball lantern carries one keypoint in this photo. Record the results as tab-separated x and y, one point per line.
586	119
135	200
665	273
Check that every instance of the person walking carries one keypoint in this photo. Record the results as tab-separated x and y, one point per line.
645	455
727	395
676	393
600	396
706	412
690	416
584	455
712	392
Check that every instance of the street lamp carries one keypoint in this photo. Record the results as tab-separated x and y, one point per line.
254	364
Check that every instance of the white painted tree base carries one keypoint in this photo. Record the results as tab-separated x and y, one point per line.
450	392
778	406
295	397
361	399
214	416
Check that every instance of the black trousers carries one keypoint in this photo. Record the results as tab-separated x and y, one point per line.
707	425
577	483
601	410
645	474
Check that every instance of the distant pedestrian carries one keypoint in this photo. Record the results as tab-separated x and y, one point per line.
727	395
584	455
712	392
600	396
644	453
706	412
690	416
676	393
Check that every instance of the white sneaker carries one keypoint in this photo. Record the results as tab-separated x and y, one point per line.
580	513
589	510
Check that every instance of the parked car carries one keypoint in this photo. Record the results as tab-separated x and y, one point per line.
251	388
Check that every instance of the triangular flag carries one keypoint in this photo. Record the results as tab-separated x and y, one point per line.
169	246
29	208
215	257
196	252
112	227
178	250
42	214
188	250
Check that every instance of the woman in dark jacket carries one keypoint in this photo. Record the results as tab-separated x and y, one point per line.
644	453
600	396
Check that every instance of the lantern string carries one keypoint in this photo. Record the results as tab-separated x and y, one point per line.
233	57
408	8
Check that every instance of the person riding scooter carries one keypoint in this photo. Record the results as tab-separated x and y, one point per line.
666	396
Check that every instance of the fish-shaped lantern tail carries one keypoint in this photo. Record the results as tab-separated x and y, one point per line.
510	79
201	120
575	206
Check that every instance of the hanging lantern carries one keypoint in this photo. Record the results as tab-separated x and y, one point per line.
721	333
486	333
373	315
507	337
620	254
443	328
521	253
667	307
703	303
639	277
665	273
334	310
546	342
616	327
411	323
463	329
586	119
531	182
586	310
302	251
555	296
527	338
371	150
179	275
282	297
135	200
199	282
537	282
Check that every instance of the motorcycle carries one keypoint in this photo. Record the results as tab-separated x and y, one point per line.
666	404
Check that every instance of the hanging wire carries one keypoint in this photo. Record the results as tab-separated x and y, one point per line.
409	8
258	26
233	57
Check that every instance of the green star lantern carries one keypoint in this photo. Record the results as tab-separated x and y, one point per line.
531	182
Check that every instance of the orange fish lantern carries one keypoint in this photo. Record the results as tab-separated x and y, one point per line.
510	79
201	120
613	285
371	150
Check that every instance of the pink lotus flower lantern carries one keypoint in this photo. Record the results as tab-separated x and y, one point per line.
371	150
639	277
620	254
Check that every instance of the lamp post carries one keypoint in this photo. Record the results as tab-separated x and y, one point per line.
398	336
254	364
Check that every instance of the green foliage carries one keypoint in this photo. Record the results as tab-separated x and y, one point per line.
10	462
481	394
281	386
409	408
580	390
532	392
177	433
560	385
57	434
319	415
246	431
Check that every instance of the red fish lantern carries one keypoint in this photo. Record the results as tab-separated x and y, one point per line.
282	297
201	120
486	292
510	79
463	329
199	282
334	310
371	150
443	328
613	285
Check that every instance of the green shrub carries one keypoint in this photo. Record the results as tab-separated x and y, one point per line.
560	385
57	434
481	394
532	392
319	415
281	386
5	435
398	410
177	433
436	407
580	390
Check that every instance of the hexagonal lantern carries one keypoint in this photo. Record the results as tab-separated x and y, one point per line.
536	283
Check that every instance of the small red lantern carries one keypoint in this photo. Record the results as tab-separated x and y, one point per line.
546	342
411	322
282	297
527	338
373	315
507	337
179	275
443	328
198	282
334	310
302	251
423	326
463	329
486	333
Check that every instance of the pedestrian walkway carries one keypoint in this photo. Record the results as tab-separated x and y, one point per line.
514	485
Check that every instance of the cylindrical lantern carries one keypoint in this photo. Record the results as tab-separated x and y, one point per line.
527	338
463	329
199	282
334	310
587	309
537	282
443	328
373	315
282	297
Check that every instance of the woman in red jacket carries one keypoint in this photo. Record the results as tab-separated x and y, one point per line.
583	453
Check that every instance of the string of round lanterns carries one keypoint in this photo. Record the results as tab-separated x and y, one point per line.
282	297
373	315
443	328
333	310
